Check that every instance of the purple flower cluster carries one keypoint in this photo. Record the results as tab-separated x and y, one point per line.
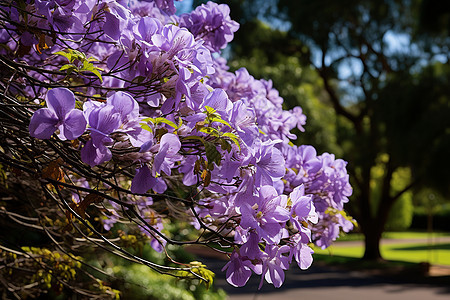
211	22
326	180
272	119
173	115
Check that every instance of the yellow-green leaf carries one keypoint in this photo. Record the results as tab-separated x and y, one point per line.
234	138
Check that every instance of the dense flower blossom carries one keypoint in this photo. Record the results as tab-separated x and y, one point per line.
175	119
265	213
212	23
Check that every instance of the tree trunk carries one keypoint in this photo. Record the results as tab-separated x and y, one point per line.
372	235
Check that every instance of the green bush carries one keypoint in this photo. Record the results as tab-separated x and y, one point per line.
401	215
140	282
440	218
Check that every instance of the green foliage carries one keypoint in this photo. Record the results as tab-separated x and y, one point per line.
431	211
413	114
157	121
79	63
401	214
143	283
63	267
405	252
198	269
299	85
136	281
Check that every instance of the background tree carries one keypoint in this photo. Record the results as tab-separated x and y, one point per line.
384	68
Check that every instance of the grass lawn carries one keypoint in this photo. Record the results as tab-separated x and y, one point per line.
408	252
395	235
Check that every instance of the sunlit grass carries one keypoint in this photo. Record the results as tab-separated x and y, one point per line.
409	252
396	235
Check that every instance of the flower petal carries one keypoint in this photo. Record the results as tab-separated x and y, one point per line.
275	275
142	181
93	156
74	125
61	101
169	146
43	124
125	105
106	118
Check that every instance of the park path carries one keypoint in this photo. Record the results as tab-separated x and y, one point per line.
327	282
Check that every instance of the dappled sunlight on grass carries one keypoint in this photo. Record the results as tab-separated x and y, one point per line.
430	249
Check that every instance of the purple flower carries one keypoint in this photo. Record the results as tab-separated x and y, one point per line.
251	249
120	113
269	163
103	119
95	155
302	206
273	265
238	270
146	28
125	105
166	5
265	214
334	181
142	181
212	23
168	150
219	101
301	252
60	114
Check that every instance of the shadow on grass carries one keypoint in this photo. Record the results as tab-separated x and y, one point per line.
424	247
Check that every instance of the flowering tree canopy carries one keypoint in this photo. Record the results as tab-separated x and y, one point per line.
123	115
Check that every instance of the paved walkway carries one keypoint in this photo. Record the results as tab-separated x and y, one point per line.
325	282
322	282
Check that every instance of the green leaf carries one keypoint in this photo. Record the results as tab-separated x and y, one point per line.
220	120
78	55
194	137
138	79
86	63
79	105
201	270
97	73
210	130
234	138
66	67
165	121
160	132
160	120
146	127
225	145
65	54
210	110
212	154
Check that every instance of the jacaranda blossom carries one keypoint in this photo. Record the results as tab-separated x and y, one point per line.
60	114
238	270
